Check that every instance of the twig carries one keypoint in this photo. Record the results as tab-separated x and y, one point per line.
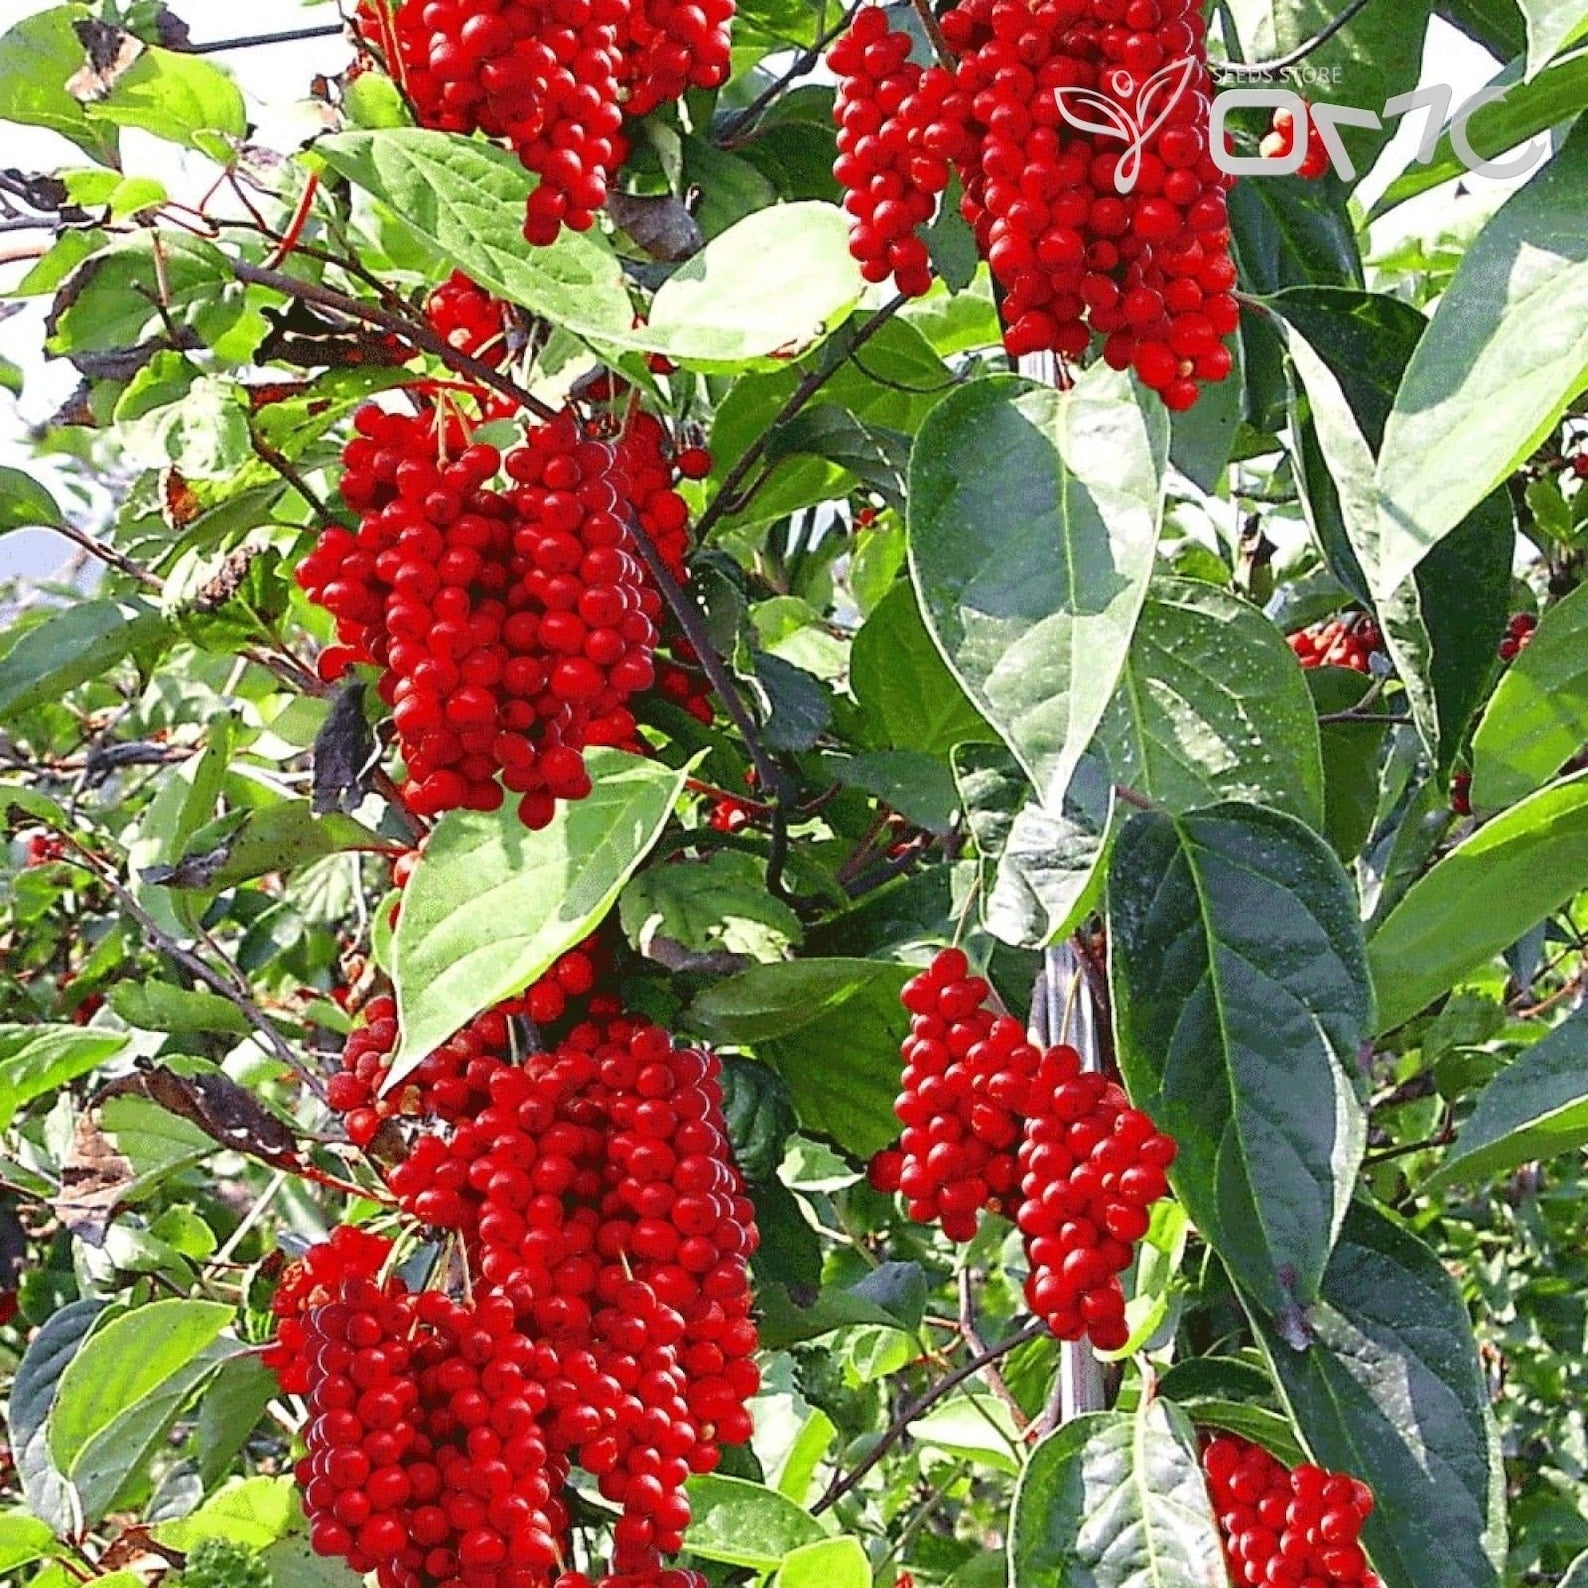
728	498
693	622
412	331
108	555
1300	53
896	1430
934	32
967	1327
734	131
326	30
235	992
1329	718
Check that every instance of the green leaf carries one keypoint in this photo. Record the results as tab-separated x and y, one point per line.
38	1059
745	1524
773	285
1524	112
254	1512
1212	706
1387	1387
909	698
1503	879
1551	25
1290	234
832	1027
1114	1500
1537	719
25	504
1202	438
1240	1002
48	1492
175	97
491	904
37	56
718	904
282	837
466	200
831	1563
1351	753
1505	353
70	647
1033	519
158	1006
1577	1573
25	1539
973	1427
1536	1108
123	1363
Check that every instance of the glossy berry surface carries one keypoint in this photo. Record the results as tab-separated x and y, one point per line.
1349	642
1284	1526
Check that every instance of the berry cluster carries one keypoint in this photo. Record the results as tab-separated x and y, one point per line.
1341	642
468	318
1281	1526
607	1234
1281	139
552	79
452	1083
42	849
1518	636
1082	236
990	1121
512	626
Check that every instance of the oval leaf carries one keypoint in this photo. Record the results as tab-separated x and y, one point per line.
1388	1388
832	1027
1537	719
125	1362
1212	706
1240	1003
38	1059
1116	1501
1535	1108
492	904
1034	515
466	199
1506	351
746	1524
1507	877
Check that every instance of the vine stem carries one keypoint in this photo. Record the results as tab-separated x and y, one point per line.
1301	52
420	335
253	41
896	1430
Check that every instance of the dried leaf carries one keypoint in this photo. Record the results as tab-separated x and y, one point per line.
345	753
94	1178
111	50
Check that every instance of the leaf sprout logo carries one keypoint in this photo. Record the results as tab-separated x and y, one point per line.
1136	114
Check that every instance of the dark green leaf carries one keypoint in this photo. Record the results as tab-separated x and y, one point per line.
1033	518
67	649
1388	1388
1536	1108
1212	706
48	1492
1506	877
832	1027
1351	753
1292	233
1116	1500
798	705
1241	1002
911	701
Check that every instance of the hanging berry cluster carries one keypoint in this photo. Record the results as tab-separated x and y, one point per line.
1085	232
552	79
1287	1526
1349	641
991	1121
606	1237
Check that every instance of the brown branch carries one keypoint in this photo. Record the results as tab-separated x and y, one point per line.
896	1430
108	555
413	331
728	500
934	32
1300	53
326	30
234	988
973	1338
